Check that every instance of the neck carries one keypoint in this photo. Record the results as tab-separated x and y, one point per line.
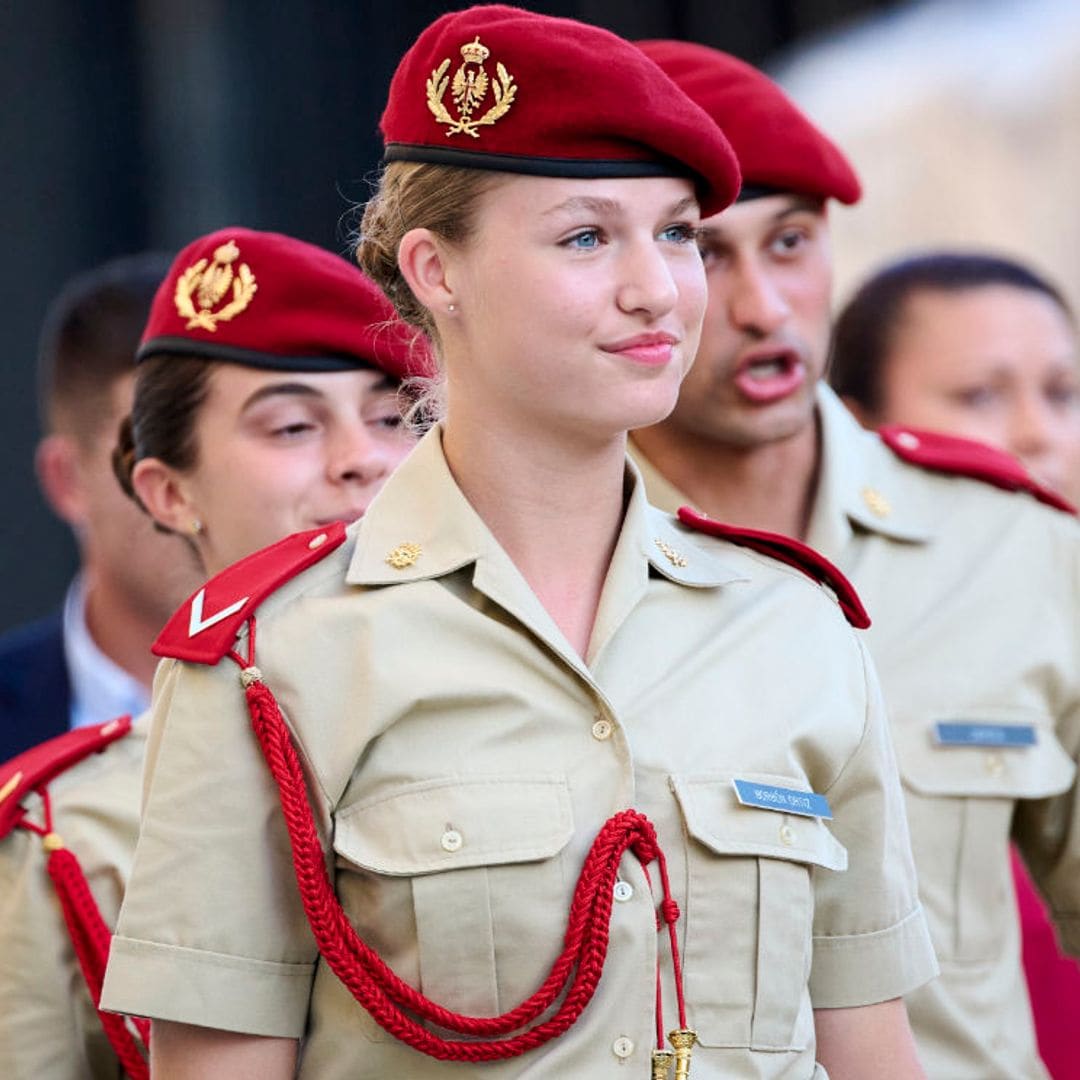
769	486
122	632
555	505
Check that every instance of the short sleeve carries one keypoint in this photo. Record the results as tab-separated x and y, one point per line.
871	942
212	931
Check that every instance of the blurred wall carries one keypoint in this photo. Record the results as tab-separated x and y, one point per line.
963	120
128	125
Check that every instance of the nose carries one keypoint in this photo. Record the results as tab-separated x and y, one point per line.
356	455
1032	427
756	303
647	282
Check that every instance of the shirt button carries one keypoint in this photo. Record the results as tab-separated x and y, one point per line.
787	835
622	1047
623	891
451	840
602	729
995	764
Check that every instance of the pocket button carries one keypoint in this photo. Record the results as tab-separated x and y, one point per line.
451	840
787	835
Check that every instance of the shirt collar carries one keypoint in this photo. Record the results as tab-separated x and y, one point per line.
421	526
100	688
861	485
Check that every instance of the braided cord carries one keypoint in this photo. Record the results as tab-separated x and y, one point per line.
379	990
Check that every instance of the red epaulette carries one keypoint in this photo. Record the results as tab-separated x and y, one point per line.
34	768
204	627
813	564
965	457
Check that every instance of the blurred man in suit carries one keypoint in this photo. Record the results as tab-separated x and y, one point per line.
91	660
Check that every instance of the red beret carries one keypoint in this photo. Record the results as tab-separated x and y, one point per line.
496	87
779	150
269	301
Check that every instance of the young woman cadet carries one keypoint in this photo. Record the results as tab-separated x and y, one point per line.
262	407
479	703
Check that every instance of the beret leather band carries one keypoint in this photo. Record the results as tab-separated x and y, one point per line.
582	168
179	346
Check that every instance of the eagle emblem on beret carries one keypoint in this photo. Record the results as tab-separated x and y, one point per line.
208	283
469	90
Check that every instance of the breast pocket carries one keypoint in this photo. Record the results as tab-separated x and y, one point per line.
960	802
749	913
457	883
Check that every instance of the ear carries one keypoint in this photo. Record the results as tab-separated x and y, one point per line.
56	462
423	264
856	409
164	494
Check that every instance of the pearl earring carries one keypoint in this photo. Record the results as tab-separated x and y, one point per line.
196	526
451	308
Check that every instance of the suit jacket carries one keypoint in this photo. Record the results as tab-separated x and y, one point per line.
35	690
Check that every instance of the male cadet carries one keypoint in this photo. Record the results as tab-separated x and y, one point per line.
974	592
92	661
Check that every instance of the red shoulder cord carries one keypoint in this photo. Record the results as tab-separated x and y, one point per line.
91	938
383	994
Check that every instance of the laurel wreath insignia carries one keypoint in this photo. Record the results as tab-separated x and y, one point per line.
468	91
212	281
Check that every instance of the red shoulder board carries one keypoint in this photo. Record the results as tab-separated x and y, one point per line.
35	767
966	457
810	562
205	626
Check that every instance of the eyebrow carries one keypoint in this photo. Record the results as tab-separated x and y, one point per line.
295	389
595	205
797	204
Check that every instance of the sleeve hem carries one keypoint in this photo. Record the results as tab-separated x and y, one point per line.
213	990
864	969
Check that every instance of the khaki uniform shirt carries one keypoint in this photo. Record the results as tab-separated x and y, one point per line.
461	758
974	595
49	1028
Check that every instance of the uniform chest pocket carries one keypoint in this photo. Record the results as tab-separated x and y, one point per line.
960	802
458	885
749	913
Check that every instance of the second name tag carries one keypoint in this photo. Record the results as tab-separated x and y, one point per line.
963	733
786	800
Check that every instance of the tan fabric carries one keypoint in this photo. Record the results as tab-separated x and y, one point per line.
974	597
49	1029
441	699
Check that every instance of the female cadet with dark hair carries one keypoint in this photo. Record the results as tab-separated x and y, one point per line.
460	761
267	400
971	344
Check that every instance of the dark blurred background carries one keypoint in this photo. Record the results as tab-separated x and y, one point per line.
129	125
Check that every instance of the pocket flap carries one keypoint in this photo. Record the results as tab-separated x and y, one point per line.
1005	772
715	817
450	824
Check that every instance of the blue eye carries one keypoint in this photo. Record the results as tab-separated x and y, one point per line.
585	240
680	234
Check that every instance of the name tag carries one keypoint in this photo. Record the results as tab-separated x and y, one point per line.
959	733
786	800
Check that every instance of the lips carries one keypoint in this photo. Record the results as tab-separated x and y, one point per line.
346	518
765	376
651	350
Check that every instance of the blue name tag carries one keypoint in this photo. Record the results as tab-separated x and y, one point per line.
962	733
786	800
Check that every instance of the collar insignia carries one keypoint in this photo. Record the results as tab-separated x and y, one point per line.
670	553
211	283
197	624
403	556
468	90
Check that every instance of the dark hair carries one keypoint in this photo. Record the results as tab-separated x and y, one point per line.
169	391
88	340
866	326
